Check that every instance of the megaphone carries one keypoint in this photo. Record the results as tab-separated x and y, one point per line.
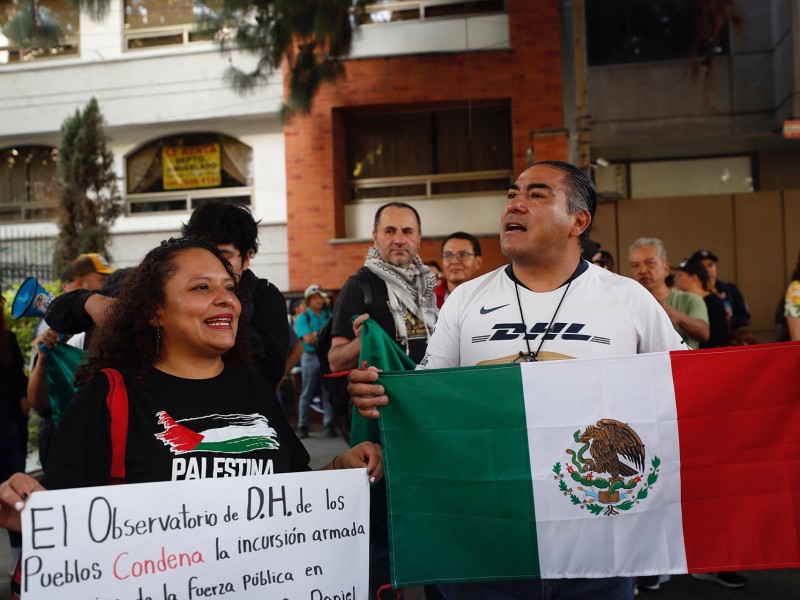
31	300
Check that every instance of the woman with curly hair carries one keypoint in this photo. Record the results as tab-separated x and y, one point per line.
174	334
792	304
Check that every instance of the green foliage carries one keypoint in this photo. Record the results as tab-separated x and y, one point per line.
90	199
313	36
97	9
24	329
34	28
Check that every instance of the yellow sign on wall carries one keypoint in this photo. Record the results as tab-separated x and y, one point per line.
187	167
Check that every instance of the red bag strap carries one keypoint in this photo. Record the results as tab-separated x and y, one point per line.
117	402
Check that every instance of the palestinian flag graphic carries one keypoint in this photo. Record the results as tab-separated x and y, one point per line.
231	434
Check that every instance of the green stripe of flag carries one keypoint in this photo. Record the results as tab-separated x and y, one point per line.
377	350
460	494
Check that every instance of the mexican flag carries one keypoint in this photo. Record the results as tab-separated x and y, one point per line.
636	465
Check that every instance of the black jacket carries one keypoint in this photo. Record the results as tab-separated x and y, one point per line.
265	309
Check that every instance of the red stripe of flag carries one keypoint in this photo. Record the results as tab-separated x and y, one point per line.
739	428
181	439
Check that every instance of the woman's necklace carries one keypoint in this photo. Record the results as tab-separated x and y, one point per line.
531	356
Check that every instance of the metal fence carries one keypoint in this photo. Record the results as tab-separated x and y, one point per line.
24	255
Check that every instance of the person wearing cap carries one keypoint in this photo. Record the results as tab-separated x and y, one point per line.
692	276
307	327
688	312
735	306
605	260
461	255
85	276
87	272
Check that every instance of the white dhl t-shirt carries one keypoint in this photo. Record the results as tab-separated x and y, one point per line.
602	314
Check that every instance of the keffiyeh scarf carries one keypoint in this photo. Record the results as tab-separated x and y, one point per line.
410	290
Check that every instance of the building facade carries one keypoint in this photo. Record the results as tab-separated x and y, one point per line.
680	112
179	133
440	108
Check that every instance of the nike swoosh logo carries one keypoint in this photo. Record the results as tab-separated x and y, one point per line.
486	311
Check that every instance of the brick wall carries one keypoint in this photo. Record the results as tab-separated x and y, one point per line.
529	75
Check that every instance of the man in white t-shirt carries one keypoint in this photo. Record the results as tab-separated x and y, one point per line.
548	304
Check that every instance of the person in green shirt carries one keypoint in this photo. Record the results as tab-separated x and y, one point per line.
687	311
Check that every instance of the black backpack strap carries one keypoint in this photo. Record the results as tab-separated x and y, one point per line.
365	283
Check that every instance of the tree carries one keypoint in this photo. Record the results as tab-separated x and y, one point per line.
312	36
90	199
34	29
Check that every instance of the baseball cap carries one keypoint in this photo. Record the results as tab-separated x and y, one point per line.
314	289
694	267
87	263
701	254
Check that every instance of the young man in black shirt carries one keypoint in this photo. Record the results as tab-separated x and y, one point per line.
234	232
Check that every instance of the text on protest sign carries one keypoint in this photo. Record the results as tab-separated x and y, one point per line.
297	536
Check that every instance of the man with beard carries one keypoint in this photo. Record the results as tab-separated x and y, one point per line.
396	289
403	302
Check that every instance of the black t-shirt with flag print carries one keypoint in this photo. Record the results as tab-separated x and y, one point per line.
227	426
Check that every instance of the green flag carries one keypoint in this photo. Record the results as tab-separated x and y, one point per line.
378	350
458	476
62	362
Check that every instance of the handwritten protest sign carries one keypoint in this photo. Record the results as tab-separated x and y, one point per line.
187	167
293	536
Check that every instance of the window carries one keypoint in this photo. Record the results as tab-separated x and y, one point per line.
420	154
386	11
177	173
672	178
626	31
37	30
151	23
29	188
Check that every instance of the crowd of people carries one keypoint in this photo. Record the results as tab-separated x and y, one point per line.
193	333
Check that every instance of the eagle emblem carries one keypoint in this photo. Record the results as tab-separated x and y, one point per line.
616	451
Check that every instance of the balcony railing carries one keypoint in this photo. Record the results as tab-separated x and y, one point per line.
429	186
12	54
406	10
185	200
169	35
19	212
